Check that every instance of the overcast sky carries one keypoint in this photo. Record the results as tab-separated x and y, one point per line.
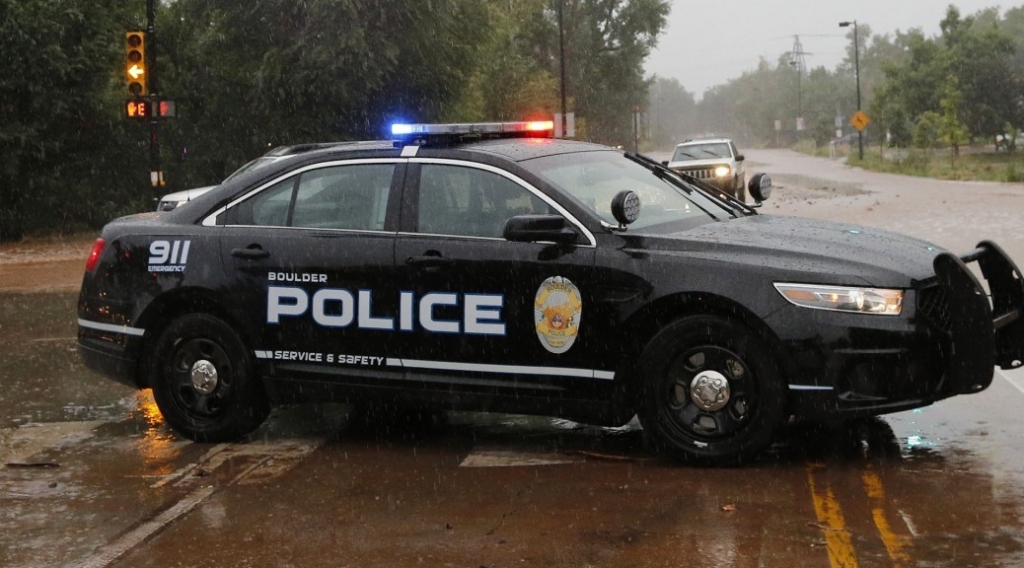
708	42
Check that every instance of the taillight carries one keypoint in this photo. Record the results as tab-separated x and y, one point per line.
94	254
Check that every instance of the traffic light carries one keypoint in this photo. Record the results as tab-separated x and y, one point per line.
166	108
138	109
135	63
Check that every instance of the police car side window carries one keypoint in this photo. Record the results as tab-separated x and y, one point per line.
343	197
340	197
268	209
463	201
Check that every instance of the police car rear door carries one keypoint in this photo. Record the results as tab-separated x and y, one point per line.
310	261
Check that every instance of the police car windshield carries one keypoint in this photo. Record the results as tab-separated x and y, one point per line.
594	178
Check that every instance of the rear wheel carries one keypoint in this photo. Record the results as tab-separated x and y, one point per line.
712	392
204	384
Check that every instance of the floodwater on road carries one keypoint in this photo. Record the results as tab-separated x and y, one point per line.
91	477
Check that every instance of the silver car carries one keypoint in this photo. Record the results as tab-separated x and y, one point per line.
172	200
714	161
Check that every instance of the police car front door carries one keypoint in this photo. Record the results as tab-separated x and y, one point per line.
310	261
487	313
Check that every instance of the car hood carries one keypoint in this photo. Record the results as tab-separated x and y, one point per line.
807	250
694	164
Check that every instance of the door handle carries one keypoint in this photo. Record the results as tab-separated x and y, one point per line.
429	261
251	252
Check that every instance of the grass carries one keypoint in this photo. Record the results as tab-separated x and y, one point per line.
973	164
970	165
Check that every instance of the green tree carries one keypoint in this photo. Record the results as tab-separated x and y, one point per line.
606	44
671	112
247	76
980	57
979	54
61	133
952	131
515	55
748	107
271	72
926	131
900	128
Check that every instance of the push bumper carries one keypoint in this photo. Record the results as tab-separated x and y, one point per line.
984	330
958	335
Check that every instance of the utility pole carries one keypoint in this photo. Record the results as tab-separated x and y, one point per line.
797	60
856	72
561	56
636	129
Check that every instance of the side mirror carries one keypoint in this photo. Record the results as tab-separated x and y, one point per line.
625	207
760	187
539	228
740	157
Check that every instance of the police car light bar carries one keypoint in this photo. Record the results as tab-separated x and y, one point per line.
540	127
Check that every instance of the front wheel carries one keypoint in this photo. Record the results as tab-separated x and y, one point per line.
204	383
712	393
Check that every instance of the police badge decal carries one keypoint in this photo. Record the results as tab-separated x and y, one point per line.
556	311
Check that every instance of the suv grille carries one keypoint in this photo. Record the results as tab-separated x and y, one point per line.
700	173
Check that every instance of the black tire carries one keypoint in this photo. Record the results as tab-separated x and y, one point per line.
740	191
232	404
700	352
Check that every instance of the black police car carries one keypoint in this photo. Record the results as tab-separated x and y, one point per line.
489	267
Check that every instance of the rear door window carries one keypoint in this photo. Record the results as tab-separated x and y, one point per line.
351	197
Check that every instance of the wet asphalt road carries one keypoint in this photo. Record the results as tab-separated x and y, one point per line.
92	478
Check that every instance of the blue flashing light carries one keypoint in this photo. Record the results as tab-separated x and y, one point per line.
401	129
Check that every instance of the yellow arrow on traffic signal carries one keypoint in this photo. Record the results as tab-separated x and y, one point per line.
135	63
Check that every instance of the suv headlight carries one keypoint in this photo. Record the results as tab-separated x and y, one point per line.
880	301
722	171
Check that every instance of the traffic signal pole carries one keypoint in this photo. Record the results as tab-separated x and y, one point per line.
156	177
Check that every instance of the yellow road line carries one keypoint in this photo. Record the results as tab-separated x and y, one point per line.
830	515
895	544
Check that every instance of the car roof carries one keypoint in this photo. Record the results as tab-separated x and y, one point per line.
511	149
492	151
520	149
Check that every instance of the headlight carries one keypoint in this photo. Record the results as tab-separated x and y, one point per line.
879	301
722	171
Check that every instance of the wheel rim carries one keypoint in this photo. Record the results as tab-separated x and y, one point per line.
204	376
200	377
710	393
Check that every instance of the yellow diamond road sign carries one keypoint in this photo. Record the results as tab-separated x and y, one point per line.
860	120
